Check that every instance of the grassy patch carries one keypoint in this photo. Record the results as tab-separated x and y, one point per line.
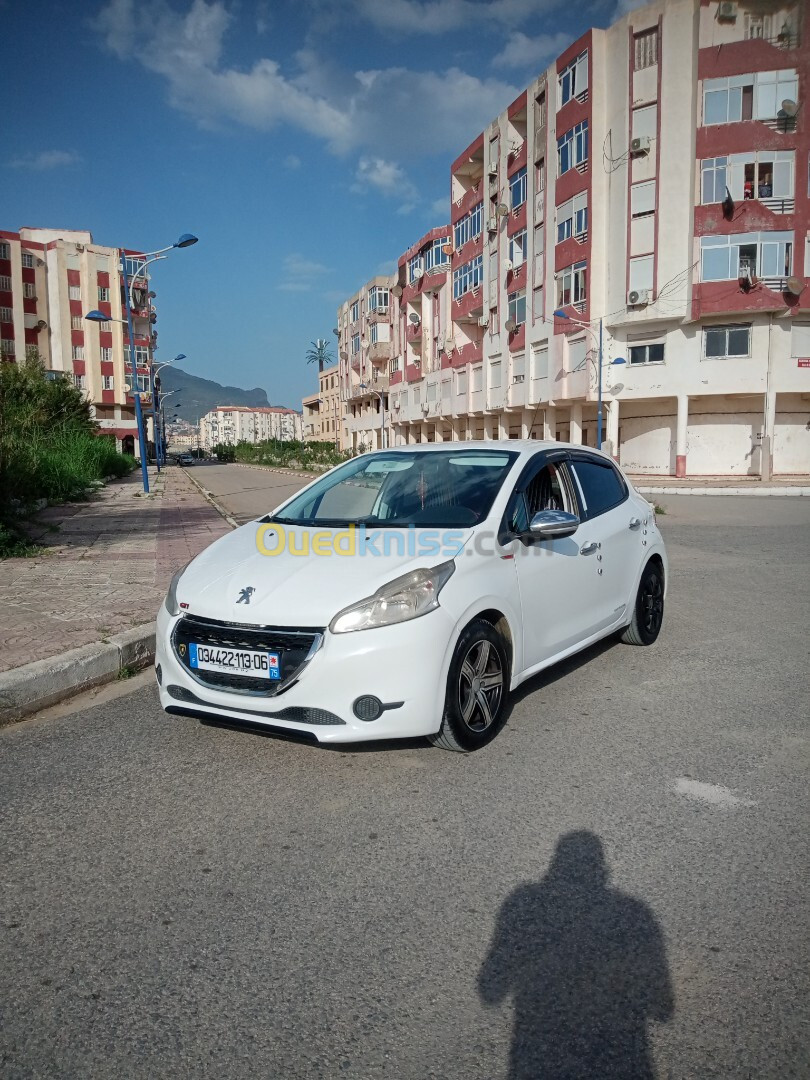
660	511
127	672
13	545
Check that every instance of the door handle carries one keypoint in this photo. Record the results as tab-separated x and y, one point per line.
635	523
589	549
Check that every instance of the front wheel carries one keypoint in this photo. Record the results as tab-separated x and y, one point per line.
477	686
648	613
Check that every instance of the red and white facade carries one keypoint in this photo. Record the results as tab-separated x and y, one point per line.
49	280
652	181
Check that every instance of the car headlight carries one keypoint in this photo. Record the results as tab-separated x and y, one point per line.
404	598
170	602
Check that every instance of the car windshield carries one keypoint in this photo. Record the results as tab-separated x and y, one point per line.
450	489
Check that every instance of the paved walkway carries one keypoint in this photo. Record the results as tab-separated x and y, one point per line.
107	568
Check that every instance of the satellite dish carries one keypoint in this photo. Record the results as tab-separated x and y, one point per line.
794	286
510	325
789	107
502	210
414	318
619	360
397	290
617	389
418	273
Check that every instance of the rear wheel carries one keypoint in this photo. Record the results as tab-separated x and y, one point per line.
477	686
648	613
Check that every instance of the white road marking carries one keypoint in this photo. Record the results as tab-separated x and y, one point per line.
713	794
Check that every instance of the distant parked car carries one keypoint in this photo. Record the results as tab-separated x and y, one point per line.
454	573
185	459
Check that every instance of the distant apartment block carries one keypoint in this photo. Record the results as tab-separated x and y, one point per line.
648	190
232	424
49	280
323	413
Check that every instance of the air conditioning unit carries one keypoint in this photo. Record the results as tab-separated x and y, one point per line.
638	297
507	265
80	247
727	11
493	167
641	145
483	321
492	224
425	407
518	378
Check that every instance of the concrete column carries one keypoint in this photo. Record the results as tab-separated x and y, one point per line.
550	423
575	435
503	426
766	449
439	431
680	435
613	430
525	424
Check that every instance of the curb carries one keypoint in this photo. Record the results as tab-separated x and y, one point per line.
276	469
234	524
27	689
758	491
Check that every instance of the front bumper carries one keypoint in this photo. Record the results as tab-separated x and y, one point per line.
405	666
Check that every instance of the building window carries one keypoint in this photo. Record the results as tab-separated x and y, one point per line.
5	283
373	334
572	217
477	378
107	382
766	255
538	308
74	292
720	342
469	226
7	347
355	311
103	294
76	322
106	356
572	148
748	97
495	375
77	352
434	256
461	381
468	276
144	384
5	251
355	344
141	355
517	188
414	264
378	298
647	354
28	288
762	174
713	180
517	307
642	199
517	248
27	260
540	109
571	284
572	80
104	327
645	49
80	381
540	175
6	314
641	272
134	267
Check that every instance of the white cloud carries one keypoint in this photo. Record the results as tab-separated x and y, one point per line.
292	161
522	51
46	159
443	16
295	286
440	209
299	266
436	110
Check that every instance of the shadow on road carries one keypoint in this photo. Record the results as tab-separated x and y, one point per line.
586	968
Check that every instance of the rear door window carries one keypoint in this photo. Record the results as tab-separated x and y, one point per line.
599	486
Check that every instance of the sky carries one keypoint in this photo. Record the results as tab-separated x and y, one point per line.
307	143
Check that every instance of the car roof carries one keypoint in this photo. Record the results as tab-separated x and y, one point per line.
524	447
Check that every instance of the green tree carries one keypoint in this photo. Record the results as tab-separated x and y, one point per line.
319	354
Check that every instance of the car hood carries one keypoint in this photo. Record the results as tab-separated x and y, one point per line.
290	589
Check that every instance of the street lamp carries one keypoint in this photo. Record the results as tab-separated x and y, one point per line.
365	386
184	241
560	314
160	450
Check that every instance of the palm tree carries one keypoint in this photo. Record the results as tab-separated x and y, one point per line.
319	354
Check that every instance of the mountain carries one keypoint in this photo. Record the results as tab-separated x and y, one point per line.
198	396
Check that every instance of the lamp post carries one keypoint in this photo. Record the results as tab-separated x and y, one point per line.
184	241
156	396
160	423
377	393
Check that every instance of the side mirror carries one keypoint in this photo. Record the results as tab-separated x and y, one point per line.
553	524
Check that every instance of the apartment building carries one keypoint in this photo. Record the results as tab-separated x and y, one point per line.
659	224
49	280
366	346
323	413
232	424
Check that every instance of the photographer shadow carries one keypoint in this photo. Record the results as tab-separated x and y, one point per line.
586	968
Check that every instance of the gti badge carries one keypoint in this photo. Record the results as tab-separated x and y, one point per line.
245	595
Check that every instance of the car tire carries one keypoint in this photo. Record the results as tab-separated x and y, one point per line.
475	711
648	612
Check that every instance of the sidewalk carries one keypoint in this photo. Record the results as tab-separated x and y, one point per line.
650	484
95	593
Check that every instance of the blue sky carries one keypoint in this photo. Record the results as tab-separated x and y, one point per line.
306	142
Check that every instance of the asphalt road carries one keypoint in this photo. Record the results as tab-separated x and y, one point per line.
618	882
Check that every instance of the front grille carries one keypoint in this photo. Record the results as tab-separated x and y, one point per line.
295	647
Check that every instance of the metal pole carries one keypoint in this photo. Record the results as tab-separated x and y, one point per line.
382	414
134	365
599	406
155	414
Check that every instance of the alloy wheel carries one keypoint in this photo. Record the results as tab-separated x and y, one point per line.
480	686
652	603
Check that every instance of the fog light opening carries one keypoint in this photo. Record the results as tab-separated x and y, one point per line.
367	708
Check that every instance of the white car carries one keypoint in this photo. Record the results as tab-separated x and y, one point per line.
407	591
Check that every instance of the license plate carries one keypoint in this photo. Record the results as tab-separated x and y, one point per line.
258	665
